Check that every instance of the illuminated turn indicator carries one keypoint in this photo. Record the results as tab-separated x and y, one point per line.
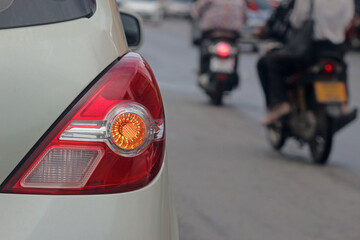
128	131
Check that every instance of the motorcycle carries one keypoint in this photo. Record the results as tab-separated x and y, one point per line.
219	60
316	96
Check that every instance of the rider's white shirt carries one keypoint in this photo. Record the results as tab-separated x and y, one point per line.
332	18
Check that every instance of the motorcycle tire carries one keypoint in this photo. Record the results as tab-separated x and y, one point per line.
321	144
276	135
216	98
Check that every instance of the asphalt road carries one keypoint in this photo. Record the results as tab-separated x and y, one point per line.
228	183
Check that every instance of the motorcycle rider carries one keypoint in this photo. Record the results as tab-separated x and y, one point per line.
218	18
331	17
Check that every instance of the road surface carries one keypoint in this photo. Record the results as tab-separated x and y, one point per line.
228	183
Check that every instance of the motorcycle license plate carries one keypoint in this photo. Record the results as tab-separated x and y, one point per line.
330	92
222	65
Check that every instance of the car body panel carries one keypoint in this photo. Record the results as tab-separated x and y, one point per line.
144	214
54	64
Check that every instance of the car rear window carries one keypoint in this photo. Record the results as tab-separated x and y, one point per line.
22	13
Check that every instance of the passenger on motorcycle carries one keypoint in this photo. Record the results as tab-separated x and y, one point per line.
331	17
219	18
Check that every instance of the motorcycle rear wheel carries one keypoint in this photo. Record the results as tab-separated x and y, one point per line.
276	135
216	98
321	144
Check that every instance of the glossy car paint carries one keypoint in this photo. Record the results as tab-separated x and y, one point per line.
144	214
43	69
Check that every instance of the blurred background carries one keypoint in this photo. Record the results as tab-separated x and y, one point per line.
228	182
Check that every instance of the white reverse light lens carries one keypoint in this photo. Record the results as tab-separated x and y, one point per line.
63	167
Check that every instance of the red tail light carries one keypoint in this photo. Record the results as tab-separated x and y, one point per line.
329	68
253	6
223	50
110	141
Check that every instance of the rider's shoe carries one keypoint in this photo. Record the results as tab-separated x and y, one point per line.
276	113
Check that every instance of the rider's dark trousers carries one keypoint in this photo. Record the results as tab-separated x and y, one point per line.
273	70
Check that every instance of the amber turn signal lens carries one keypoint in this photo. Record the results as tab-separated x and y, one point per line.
128	131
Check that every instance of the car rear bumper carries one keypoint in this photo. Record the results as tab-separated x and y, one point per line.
147	213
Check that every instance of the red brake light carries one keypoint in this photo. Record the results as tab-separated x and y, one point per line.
111	140
253	6
223	50
329	68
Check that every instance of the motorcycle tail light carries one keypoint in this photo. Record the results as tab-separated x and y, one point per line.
110	140
222	76
252	5
223	50
329	68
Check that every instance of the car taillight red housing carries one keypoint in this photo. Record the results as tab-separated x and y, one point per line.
111	140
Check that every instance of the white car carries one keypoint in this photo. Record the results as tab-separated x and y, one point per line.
178	8
82	143
149	10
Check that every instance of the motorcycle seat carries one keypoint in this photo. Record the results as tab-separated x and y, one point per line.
331	55
220	34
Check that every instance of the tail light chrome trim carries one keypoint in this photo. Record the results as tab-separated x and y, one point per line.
100	131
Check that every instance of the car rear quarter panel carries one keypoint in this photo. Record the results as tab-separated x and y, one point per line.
44	68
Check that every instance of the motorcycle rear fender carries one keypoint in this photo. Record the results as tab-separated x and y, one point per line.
344	120
229	84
